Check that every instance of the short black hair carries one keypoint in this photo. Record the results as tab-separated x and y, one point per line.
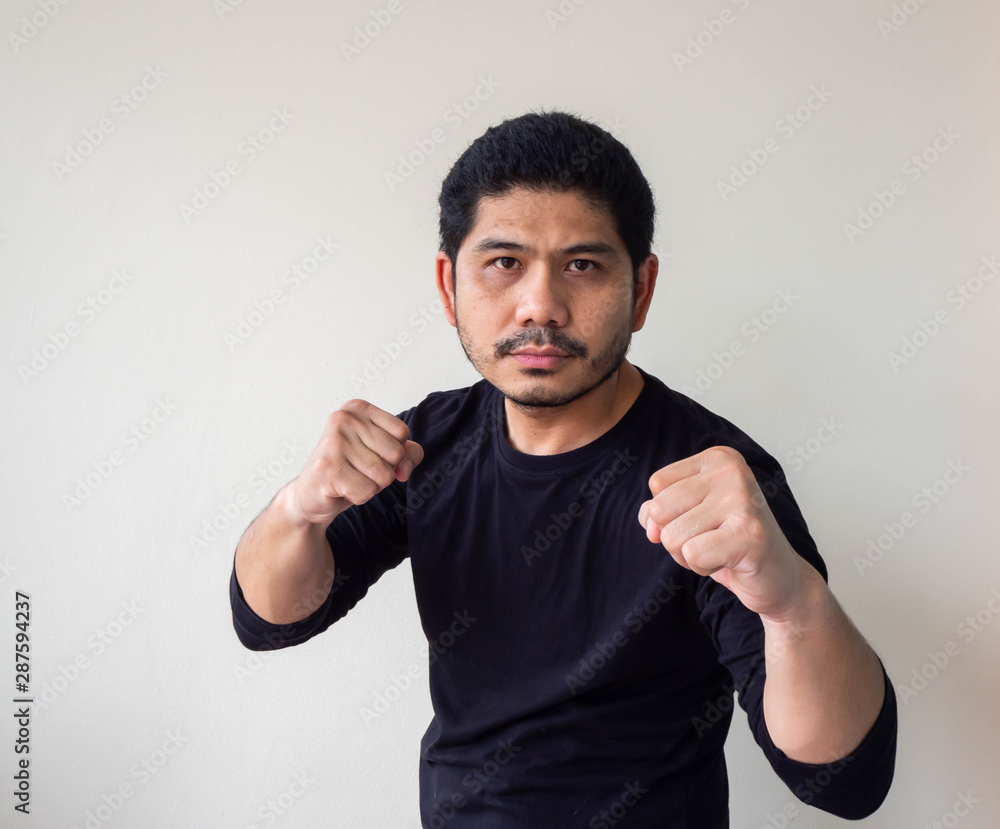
549	151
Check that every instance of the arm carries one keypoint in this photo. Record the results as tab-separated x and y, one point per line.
345	499
830	697
281	560
824	687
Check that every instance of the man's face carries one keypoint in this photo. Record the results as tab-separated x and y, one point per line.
544	272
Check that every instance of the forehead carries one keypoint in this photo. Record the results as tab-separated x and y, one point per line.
545	218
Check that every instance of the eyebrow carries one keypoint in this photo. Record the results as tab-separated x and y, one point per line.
496	243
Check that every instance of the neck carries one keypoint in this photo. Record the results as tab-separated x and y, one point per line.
550	431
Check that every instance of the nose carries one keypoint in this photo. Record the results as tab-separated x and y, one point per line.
542	298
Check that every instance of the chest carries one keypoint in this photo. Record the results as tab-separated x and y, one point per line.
551	569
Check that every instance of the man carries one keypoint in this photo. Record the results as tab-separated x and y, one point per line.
599	561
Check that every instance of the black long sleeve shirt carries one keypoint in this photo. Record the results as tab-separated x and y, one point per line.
579	676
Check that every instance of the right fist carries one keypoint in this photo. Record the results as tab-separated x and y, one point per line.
362	450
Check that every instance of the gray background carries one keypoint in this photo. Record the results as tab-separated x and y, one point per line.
134	659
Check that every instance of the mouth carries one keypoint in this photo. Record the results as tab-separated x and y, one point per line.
540	358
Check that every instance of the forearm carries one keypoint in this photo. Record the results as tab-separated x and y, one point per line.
824	686
281	561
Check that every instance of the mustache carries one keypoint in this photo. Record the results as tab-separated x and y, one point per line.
541	337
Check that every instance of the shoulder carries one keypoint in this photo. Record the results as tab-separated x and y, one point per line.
694	426
690	427
443	413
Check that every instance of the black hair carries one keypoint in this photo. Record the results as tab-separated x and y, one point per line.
549	151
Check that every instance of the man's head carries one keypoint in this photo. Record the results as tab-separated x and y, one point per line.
546	230
552	151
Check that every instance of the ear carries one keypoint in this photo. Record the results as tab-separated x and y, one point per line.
442	266
644	290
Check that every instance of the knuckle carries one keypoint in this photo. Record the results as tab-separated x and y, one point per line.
395	455
337	420
655	512
723	454
693	548
338	471
382	475
323	468
334	444
754	531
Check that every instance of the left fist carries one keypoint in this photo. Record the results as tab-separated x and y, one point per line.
711	516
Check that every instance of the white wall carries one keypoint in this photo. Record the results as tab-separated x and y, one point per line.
126	552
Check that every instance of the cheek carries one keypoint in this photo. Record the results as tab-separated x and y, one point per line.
476	294
480	316
601	321
484	301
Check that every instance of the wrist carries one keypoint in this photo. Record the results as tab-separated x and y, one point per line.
288	509
809	609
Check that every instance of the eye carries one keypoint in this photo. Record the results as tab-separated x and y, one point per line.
586	263
505	259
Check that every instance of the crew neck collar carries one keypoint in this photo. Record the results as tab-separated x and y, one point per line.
574	458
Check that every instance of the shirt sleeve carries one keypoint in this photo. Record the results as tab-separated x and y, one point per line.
852	787
366	540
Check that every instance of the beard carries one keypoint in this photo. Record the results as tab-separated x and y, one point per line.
599	369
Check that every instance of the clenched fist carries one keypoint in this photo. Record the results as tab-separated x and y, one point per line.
362	450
